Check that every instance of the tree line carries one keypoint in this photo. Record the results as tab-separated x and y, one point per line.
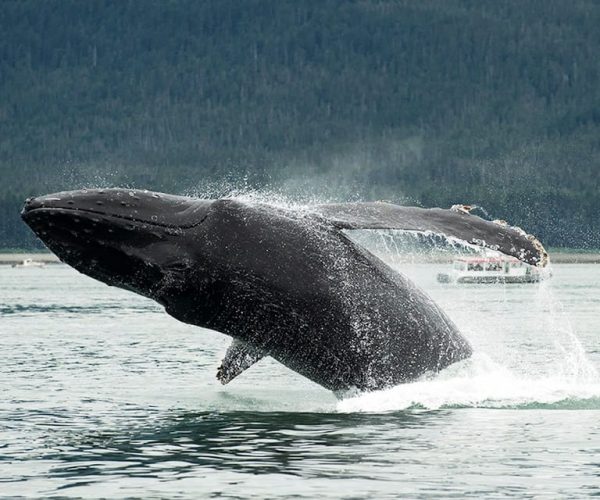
429	102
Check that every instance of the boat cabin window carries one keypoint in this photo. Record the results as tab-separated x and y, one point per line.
474	266
493	266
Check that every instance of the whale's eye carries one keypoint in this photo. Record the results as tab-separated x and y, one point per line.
179	266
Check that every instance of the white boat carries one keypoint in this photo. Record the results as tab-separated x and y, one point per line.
493	270
29	263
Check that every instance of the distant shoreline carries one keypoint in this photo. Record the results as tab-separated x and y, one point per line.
575	258
556	257
14	258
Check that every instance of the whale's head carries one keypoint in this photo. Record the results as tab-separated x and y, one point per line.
137	240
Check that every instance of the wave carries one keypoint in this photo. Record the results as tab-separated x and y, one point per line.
100	308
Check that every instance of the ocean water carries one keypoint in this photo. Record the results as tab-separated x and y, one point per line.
104	395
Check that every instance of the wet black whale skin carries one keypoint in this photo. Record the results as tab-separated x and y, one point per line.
287	282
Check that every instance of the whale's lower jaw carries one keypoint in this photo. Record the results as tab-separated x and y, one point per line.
97	246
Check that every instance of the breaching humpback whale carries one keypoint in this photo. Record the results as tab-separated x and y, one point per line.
283	283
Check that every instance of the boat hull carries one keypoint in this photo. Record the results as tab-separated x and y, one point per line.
488	280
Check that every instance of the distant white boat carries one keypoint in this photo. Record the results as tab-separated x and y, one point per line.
29	263
493	270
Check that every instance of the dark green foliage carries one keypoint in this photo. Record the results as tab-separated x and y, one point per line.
430	101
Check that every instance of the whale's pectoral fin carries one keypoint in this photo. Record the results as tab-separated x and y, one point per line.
456	223
239	357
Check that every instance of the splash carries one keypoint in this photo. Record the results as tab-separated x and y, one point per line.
479	382
395	246
533	360
573	363
243	190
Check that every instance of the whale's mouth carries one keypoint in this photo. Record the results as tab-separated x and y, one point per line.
146	207
80	235
119	240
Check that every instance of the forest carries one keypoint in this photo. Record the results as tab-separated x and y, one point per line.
429	103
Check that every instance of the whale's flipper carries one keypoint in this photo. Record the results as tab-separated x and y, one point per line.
239	357
456	222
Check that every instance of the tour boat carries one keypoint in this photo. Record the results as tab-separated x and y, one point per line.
29	263
492	270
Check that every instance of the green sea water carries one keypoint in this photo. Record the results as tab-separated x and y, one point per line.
104	395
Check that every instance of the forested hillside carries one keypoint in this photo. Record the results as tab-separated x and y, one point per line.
428	102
